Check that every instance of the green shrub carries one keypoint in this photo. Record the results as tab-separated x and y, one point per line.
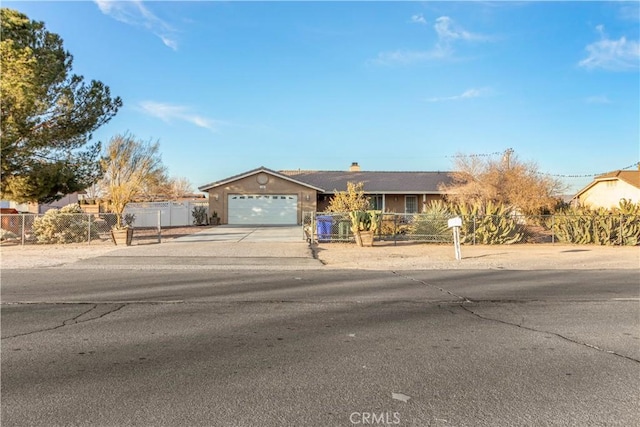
630	222
432	224
128	219
65	225
199	215
489	224
390	225
7	235
618	226
365	221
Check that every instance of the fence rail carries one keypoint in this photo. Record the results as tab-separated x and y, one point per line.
483	229
73	228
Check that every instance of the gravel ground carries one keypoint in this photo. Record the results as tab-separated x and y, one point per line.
414	256
404	256
14	255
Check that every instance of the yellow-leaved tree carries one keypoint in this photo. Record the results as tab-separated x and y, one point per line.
129	165
351	200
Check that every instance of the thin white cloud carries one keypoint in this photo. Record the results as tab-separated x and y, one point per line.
169	42
597	99
612	55
135	13
448	30
405	57
467	94
170	113
448	33
629	11
418	19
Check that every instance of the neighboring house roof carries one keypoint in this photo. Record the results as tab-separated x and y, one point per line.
630	177
256	171
375	181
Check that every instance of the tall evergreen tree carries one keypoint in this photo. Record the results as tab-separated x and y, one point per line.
48	115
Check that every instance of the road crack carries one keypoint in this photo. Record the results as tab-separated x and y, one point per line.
446	291
247	235
563	337
71	321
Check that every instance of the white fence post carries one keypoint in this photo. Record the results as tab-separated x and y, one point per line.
22	232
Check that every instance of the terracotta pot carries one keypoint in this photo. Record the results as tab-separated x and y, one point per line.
364	238
358	239
122	236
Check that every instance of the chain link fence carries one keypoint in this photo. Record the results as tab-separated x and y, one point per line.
482	229
61	228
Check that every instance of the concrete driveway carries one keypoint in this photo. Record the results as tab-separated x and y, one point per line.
248	247
247	234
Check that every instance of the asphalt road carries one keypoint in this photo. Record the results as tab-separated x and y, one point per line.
111	347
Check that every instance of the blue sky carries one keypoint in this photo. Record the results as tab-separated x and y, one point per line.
230	86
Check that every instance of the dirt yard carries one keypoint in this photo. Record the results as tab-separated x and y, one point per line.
415	256
15	255
404	256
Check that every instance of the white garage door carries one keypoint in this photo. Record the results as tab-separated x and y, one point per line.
263	209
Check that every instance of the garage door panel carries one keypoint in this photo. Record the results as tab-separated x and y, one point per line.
263	209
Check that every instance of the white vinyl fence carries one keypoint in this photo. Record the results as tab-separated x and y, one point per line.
172	214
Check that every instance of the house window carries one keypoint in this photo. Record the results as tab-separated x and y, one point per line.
375	202
410	204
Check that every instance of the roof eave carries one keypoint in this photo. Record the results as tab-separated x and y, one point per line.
212	185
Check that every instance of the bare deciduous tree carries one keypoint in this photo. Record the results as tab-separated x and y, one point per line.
509	181
179	187
129	165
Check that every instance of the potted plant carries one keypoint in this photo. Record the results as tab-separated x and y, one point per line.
364	224
123	234
215	219
128	165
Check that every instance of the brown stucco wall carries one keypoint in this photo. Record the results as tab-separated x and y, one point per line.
393	202
250	185
396	202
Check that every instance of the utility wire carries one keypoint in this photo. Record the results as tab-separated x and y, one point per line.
590	174
458	156
509	150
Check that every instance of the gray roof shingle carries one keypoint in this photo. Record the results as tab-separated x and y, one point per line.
375	181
